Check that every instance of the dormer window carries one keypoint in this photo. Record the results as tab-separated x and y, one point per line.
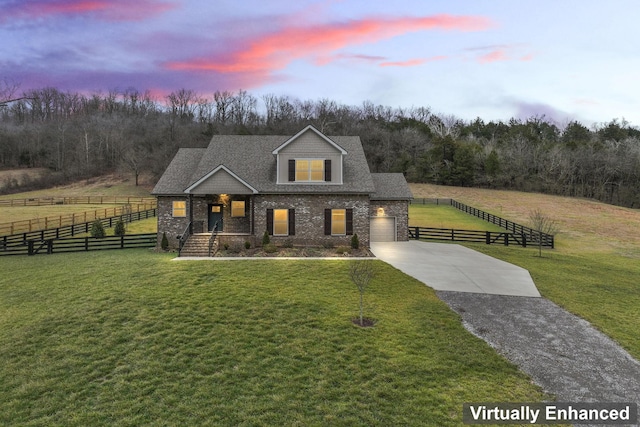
310	170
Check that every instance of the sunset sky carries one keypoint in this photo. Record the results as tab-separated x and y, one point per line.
494	59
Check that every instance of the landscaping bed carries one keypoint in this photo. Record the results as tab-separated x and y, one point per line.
295	252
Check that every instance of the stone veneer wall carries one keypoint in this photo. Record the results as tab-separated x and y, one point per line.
309	217
394	208
230	224
309	211
167	223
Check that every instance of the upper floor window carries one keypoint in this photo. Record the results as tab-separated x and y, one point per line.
310	170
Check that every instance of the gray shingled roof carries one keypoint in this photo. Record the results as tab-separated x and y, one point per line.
390	186
177	176
250	158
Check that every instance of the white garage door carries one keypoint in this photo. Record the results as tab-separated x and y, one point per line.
383	229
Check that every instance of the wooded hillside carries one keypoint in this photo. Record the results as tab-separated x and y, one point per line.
75	135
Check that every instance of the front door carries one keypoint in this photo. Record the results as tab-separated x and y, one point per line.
215	215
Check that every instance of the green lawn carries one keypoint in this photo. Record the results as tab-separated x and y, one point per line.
601	287
133	338
444	216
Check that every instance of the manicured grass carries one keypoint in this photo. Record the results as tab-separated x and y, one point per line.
131	337
443	216
601	288
599	284
149	225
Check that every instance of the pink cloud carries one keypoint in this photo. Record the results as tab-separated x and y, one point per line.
110	10
497	53
493	56
412	62
267	53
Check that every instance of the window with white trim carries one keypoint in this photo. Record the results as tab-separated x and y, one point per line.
309	170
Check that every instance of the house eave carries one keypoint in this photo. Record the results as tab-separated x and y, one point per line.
317	132
192	187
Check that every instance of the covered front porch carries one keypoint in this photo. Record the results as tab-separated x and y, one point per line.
231	214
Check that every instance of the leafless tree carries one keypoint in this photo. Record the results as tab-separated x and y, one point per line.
542	224
361	273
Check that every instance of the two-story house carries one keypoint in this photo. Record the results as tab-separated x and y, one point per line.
307	189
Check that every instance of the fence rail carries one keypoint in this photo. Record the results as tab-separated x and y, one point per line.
474	236
80	244
532	236
46	223
6	242
78	200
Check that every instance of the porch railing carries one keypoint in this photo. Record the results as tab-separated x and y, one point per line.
212	239
182	239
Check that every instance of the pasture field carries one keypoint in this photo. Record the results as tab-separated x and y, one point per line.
585	226
444	216
108	185
131	338
111	185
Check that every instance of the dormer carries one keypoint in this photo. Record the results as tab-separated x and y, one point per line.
310	158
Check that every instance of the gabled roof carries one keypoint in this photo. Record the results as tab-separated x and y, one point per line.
222	169
309	129
251	159
177	177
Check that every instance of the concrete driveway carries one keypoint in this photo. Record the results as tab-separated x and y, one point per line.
450	267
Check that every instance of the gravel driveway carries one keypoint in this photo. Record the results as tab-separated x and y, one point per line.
563	353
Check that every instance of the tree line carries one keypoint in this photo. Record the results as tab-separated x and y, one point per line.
76	135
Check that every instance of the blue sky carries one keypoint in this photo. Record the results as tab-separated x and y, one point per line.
494	59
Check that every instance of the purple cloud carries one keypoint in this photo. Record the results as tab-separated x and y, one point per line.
108	10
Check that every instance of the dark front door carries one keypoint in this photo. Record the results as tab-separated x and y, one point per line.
215	215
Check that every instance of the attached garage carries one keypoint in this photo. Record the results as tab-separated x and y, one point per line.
383	229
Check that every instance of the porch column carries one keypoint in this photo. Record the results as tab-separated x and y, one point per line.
252	217
191	211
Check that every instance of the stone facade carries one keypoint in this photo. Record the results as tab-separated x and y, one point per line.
309	217
393	208
167	223
230	224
